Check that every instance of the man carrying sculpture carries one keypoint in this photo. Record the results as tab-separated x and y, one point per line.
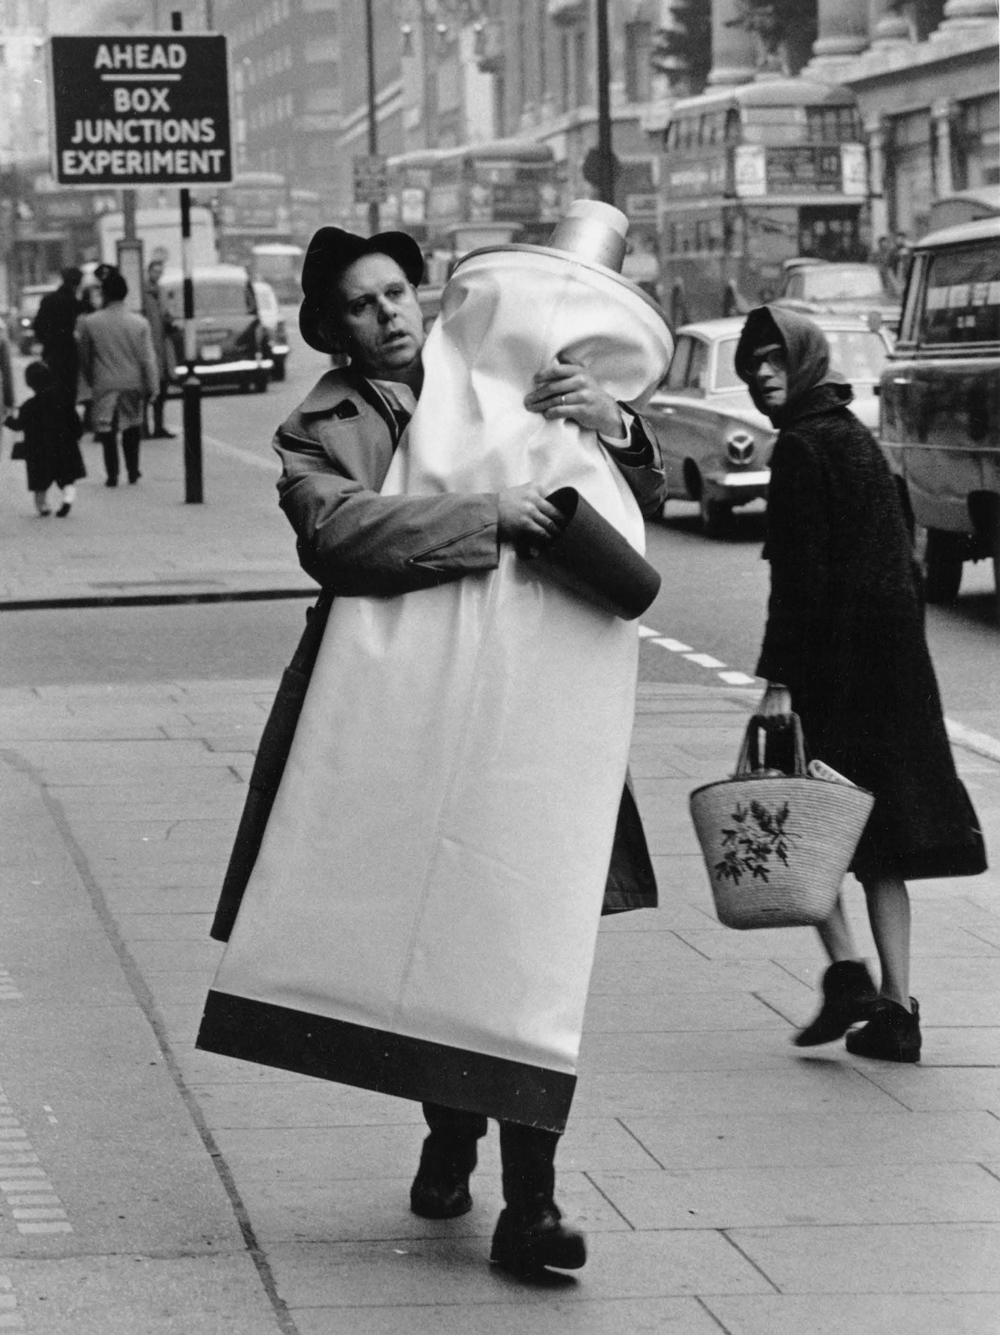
336	450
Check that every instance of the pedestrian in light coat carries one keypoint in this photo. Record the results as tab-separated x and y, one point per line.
161	325
118	363
844	647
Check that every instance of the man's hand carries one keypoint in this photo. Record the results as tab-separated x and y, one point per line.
567	389
527	518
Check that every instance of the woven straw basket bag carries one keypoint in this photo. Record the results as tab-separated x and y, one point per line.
777	845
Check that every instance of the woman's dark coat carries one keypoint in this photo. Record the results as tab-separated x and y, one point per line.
845	627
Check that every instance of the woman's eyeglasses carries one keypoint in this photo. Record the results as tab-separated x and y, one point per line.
776	358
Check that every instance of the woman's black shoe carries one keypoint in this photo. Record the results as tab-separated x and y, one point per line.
526	1243
440	1189
892	1034
849	993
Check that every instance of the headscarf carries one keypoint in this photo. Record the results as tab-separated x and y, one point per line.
808	354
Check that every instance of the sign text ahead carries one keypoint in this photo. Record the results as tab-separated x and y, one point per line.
133	110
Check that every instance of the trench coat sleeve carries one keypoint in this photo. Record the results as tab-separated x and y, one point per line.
798	547
639	463
355	542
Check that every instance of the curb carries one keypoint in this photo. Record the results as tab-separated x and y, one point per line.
970	740
154	599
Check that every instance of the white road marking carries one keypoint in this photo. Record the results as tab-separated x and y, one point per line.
969	739
8	988
34	1205
737	679
980	742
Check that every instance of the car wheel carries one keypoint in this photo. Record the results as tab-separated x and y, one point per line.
715	516
278	370
943	565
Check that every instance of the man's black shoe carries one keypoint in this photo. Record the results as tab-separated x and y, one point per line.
161	433
529	1242
849	992
440	1189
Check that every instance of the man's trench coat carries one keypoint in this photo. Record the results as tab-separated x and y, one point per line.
336	449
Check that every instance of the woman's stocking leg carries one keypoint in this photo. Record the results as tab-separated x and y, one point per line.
889	915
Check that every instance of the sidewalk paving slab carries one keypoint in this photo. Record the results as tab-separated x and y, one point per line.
721	1173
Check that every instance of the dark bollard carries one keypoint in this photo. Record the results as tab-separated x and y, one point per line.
193	489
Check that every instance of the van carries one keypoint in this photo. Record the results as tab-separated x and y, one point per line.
940	401
231	342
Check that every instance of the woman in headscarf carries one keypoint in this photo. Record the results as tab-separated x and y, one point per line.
844	647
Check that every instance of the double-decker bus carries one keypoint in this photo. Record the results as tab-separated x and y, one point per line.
753	176
254	210
453	200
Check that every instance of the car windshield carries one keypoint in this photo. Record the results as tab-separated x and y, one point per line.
214	298
829	283
856	353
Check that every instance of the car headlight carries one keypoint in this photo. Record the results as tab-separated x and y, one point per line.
740	447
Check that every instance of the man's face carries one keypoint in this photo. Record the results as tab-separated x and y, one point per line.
377	318
155	271
769	368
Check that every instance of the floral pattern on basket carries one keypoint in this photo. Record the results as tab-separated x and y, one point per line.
756	836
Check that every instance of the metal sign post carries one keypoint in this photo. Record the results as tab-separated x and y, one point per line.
371	185
194	490
130	110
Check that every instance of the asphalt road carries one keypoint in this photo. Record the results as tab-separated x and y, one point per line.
712	602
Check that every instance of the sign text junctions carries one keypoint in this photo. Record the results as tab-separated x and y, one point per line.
151	110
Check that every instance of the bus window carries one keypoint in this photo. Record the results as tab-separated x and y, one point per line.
962	304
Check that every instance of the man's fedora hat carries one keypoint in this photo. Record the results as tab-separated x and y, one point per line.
330	252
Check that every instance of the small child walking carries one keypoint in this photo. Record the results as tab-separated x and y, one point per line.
51	446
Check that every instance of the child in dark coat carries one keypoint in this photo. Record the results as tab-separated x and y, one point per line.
51	447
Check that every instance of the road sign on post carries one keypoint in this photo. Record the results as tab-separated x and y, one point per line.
151	110
371	179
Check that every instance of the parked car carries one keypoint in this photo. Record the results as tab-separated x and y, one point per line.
274	323
23	331
941	402
232	343
716	445
819	287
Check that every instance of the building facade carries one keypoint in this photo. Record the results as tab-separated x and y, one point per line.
457	72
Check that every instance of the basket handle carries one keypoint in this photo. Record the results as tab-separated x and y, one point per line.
749	761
